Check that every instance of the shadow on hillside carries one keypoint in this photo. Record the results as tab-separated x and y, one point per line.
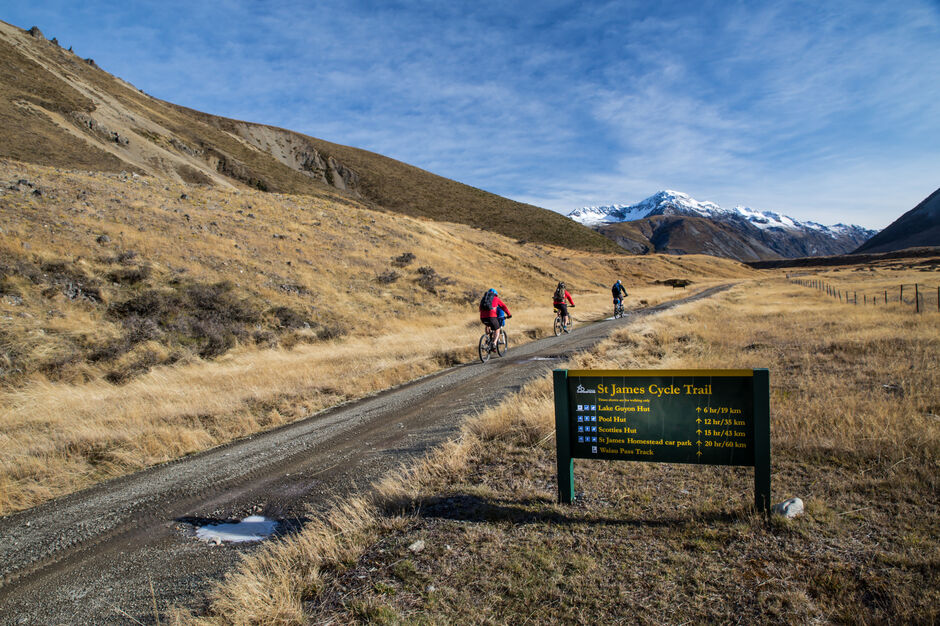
540	510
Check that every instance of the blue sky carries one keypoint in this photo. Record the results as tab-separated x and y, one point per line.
827	111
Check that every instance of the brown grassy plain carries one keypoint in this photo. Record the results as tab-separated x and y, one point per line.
855	433
199	319
895	282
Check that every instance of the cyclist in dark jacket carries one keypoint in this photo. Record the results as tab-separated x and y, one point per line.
617	290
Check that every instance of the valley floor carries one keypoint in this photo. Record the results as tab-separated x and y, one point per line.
474	534
142	320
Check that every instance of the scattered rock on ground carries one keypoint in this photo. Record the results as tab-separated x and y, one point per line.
417	546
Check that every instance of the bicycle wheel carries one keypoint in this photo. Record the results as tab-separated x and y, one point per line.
484	348
558	327
502	346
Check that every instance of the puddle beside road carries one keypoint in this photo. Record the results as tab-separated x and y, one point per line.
540	358
252	528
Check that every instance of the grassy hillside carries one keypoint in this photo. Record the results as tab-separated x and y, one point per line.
143	319
854	433
58	109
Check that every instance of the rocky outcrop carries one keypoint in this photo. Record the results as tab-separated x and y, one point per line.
294	151
88	122
328	170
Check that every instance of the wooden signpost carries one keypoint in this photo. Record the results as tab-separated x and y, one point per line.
702	417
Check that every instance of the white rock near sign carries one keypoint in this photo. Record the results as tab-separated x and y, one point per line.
789	508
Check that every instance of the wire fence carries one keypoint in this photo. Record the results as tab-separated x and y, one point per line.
916	297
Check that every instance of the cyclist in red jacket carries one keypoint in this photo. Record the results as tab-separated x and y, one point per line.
558	299
489	306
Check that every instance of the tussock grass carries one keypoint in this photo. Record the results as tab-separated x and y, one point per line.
143	320
855	433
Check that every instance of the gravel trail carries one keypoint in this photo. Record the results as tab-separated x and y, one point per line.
91	557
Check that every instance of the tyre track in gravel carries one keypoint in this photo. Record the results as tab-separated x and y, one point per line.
92	556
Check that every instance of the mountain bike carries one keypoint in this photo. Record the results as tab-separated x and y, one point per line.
487	346
559	326
618	310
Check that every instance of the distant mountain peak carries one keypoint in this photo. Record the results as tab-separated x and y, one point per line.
671	202
781	233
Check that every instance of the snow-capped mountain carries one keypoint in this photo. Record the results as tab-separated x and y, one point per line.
665	202
765	230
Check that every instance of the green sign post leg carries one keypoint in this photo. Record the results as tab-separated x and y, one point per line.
563	438
761	440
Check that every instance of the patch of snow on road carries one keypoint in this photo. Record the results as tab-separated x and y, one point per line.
252	528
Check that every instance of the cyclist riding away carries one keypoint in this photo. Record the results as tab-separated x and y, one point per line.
489	308
618	290
558	299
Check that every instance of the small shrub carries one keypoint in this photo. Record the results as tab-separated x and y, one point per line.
403	259
264	338
388	277
153	303
220	302
8	287
110	351
289	318
214	339
332	331
125	258
430	280
130	276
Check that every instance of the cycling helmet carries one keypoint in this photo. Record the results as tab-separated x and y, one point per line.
493	291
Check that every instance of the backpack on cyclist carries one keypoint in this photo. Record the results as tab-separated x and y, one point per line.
486	304
559	293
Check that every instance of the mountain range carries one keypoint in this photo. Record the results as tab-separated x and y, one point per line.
675	223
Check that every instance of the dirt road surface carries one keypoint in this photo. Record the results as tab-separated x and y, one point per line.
91	557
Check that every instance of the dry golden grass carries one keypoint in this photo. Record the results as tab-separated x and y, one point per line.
894	282
855	433
63	425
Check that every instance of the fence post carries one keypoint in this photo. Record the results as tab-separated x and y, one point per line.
865	298
886	297
901	297
916	299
